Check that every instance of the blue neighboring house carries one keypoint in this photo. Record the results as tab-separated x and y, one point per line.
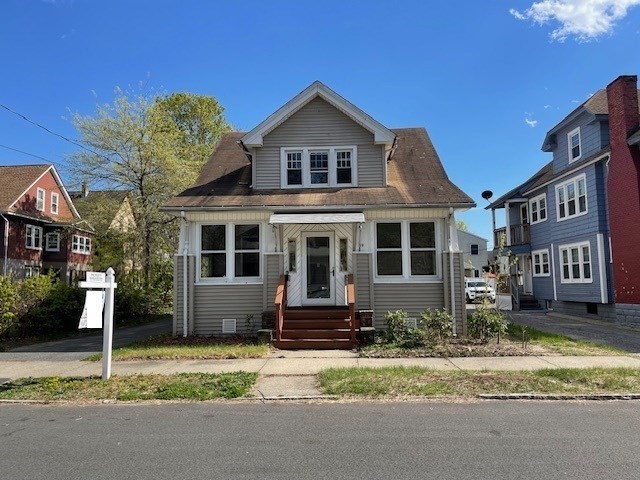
557	221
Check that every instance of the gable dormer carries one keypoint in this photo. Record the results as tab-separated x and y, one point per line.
318	140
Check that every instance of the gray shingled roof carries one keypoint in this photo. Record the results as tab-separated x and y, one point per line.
415	177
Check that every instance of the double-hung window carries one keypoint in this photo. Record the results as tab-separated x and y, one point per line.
33	237
52	242
576	263
40	199
571	198
406	249
474	249
538	208
54	203
575	148
80	244
229	251
540	263
313	167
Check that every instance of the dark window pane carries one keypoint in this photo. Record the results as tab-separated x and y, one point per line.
562	211
423	235
213	237
389	235
344	175
565	272
583	204
587	270
572	207
213	265
247	265
423	263
389	263
474	249
294	177
319	178
247	237
576	270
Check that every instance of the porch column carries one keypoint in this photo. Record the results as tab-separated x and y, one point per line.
508	224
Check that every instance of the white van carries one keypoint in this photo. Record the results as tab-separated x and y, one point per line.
477	288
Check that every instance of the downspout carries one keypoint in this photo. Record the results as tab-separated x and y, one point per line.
185	276
6	244
452	273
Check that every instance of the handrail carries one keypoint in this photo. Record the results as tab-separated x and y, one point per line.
280	305
520	235
351	301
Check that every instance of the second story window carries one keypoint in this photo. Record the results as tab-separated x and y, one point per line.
54	203
539	208
474	249
312	167
571	198
40	199
575	149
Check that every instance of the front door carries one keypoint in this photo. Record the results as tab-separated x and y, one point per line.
528	275
318	269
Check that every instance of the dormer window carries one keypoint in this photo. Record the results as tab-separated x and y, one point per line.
575	149
313	167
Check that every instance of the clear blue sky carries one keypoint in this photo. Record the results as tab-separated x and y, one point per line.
485	78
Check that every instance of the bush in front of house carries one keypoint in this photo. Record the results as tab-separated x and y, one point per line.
437	323
59	311
486	323
398	333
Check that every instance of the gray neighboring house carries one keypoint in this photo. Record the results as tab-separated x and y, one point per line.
474	253
321	217
558	220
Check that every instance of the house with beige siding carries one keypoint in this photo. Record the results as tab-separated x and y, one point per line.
316	223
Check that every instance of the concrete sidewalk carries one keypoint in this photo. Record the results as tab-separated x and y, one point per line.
293	373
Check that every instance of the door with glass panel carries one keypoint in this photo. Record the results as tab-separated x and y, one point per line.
318	270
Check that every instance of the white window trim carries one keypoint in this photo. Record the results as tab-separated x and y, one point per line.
306	171
533	262
230	252
406	276
44	199
86	243
56	203
536	200
33	229
578	213
579	246
569	135
46	242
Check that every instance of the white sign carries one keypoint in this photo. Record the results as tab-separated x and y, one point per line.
96	277
92	313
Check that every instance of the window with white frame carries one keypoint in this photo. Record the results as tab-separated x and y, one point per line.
31	271
52	242
538	208
54	203
571	198
318	166
33	237
81	244
229	251
540	263
475	248
406	249
575	148
40	199
575	261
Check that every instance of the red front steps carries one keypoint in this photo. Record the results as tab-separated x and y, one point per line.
315	328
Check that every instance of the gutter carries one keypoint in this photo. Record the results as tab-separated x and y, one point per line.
185	277
196	208
6	244
452	274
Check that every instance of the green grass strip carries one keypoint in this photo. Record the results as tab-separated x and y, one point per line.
181	386
419	381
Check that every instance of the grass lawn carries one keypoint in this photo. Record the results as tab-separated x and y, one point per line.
419	381
166	347
559	343
182	386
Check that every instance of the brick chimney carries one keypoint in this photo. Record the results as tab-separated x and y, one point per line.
623	189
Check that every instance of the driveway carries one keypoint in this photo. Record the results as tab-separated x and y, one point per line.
626	338
77	348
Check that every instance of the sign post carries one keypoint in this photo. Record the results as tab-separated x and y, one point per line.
105	282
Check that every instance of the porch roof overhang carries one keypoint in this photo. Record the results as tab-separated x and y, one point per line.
292	218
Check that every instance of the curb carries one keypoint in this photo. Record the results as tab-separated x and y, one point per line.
551	396
291	397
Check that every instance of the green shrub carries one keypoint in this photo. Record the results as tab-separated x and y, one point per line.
8	303
58	312
486	323
437	323
399	334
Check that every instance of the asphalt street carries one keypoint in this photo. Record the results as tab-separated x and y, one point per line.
496	440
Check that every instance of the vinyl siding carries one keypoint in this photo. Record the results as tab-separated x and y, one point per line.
319	124
414	298
591	141
460	301
215	302
274	267
363	279
178	283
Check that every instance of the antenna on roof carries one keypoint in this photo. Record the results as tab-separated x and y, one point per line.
487	194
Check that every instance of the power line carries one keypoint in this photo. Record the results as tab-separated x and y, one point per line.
32	155
66	139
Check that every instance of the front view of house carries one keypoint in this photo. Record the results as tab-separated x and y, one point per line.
317	214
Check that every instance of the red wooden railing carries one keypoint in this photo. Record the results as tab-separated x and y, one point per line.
351	301
280	305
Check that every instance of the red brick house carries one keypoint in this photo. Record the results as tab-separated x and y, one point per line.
40	228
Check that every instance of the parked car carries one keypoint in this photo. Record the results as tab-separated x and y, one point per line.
477	288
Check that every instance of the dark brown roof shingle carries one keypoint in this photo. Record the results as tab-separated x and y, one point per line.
15	180
415	177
